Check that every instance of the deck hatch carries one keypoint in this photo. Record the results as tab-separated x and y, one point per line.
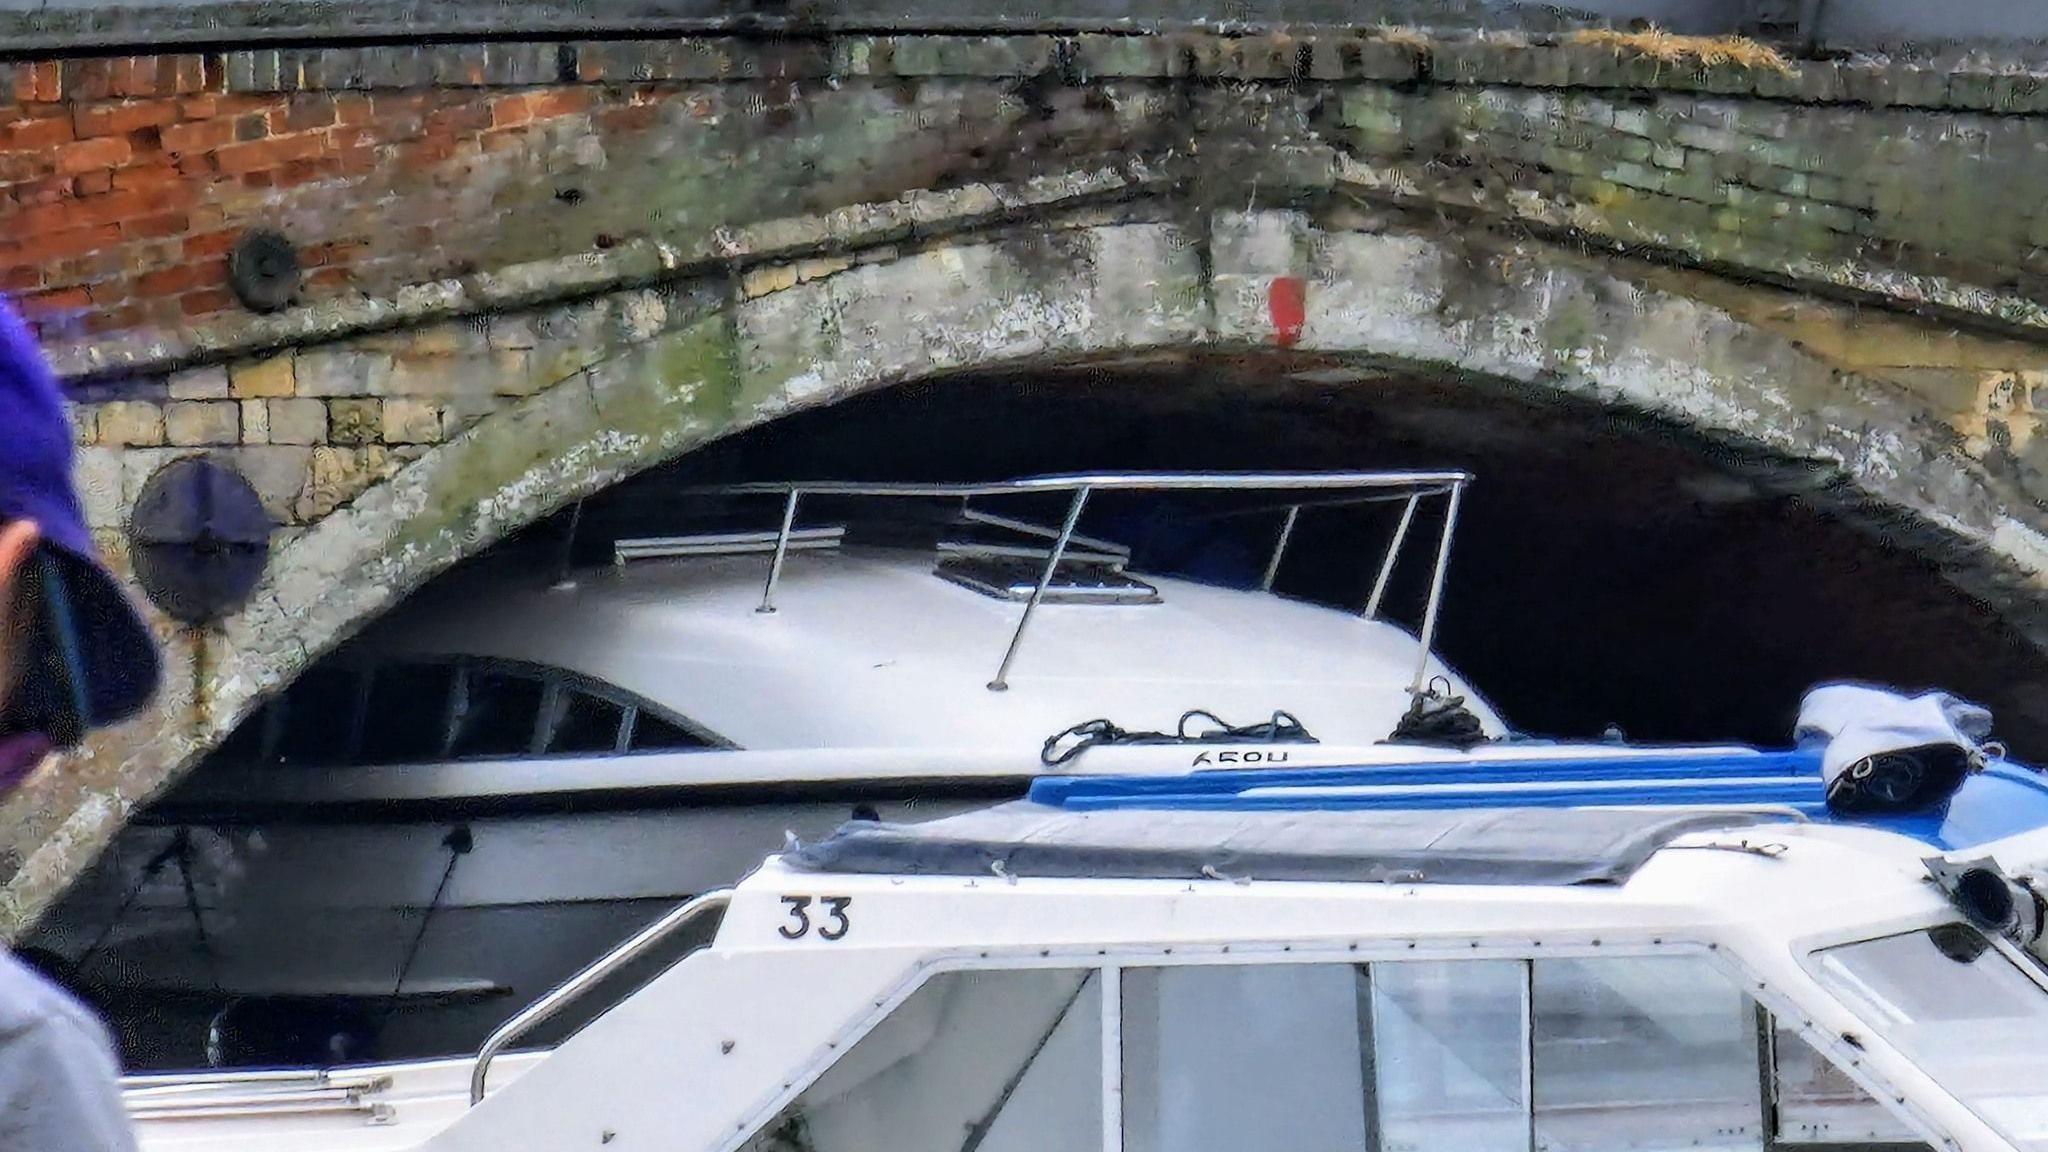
1012	578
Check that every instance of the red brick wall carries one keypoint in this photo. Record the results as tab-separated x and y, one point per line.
125	183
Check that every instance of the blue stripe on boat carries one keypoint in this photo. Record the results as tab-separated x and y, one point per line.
2003	800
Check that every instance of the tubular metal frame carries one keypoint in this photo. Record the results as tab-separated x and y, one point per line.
220	1095
1361	487
567	992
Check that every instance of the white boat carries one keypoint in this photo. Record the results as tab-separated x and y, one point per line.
517	770
1125	964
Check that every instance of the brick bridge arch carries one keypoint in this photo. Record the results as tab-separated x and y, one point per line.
648	373
534	268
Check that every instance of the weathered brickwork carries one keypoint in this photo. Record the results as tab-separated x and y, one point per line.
123	210
126	182
313	429
531	269
1748	183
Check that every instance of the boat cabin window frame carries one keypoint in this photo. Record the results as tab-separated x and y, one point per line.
269	729
1112	971
1868	1002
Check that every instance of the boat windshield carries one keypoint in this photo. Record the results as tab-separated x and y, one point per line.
1963	1011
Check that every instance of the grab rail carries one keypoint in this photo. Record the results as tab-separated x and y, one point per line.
569	990
216	1096
1337	488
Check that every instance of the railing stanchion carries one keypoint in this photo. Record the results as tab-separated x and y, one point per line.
1052	564
781	550
1379	585
1436	588
1280	548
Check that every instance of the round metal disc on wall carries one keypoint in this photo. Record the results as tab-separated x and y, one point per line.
200	538
263	270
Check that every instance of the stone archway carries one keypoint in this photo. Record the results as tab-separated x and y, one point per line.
807	335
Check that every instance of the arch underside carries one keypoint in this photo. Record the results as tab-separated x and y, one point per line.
1137	280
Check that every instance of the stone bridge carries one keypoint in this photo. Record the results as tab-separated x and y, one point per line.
506	274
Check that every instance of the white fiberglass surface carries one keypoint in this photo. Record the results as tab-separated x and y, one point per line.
1817	1102
869	649
1962	1010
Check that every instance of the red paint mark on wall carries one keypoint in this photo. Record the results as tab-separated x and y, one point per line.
1287	303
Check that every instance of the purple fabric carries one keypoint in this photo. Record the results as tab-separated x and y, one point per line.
121	662
19	756
35	442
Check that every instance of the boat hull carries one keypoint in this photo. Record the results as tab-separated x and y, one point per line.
408	938
413	912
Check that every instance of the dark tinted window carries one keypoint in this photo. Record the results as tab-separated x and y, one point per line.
584	723
319	717
407	717
499	714
652	733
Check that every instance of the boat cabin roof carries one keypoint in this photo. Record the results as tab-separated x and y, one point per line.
917	616
1511	846
1563	818
872	648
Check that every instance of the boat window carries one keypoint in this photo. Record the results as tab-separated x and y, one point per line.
1963	1011
651	733
406	718
1643	1054
581	722
413	711
1817	1103
1657	1053
318	722
496	712
1634	1054
1447	1056
997	1061
1228	1058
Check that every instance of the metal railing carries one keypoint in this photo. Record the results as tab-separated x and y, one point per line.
1332	489
566	993
223	1095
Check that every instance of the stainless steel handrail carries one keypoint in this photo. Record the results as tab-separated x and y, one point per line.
376	1111
195	1081
1379	586
1436	591
1371	486
781	550
311	1080
1052	565
1272	572
1109	481
296	1092
566	993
